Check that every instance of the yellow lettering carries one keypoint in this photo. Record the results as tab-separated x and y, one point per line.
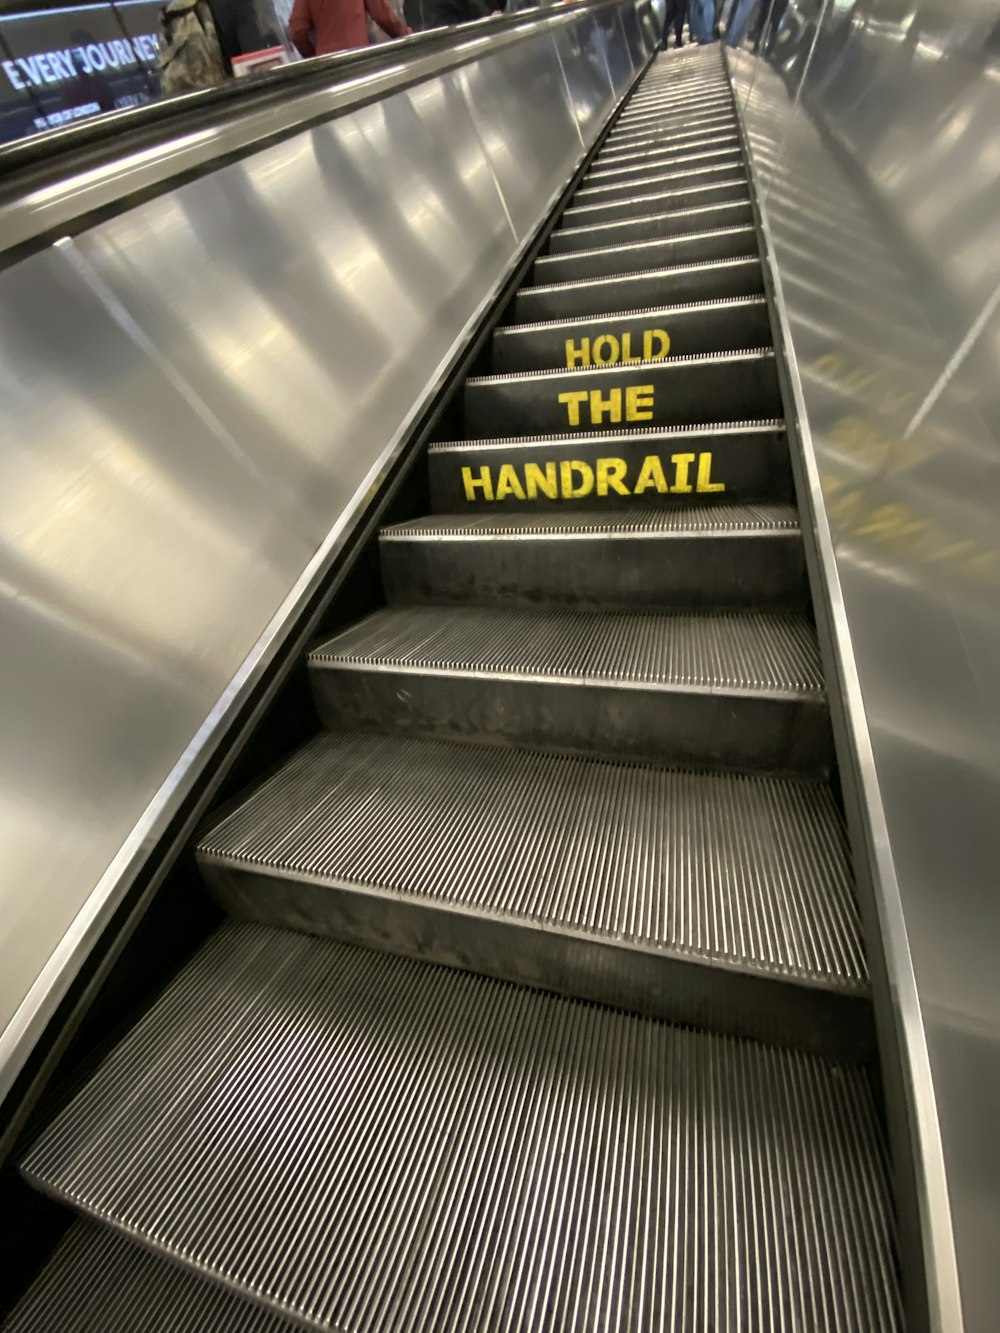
508	483
599	405
611	472
577	356
650	338
470	484
573	401
651	474
705	482
681	464
639	402
536	480
607	341
571	492
627	358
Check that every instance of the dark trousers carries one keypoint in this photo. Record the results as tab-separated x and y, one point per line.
675	16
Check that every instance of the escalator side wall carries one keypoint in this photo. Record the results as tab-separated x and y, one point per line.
204	392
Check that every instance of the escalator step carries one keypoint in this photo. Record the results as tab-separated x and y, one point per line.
714	281
98	1282
721	901
371	1143
682	330
694	126
678	391
719	556
655	182
733	186
649	226
729	690
694	152
694	247
608	470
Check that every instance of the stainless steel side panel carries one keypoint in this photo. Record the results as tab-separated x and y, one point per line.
875	148
196	397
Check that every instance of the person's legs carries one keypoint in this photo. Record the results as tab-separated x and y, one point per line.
738	21
701	19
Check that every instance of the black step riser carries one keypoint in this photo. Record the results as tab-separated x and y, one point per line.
655	182
665	393
689	155
677	726
693	196
573	964
691	330
609	296
750	466
600	572
693	248
653	226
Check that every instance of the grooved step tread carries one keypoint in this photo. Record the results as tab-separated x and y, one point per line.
99	1282
738	652
609	438
747	872
377	1145
698	520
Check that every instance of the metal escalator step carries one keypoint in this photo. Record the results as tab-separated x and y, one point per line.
733	186
711	122
719	556
692	247
720	901
675	285
662	106
376	1145
655	181
685	330
693	154
748	459
99	1282
721	690
649	226
678	391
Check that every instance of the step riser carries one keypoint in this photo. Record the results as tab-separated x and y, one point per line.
691	331
565	474
695	248
571	964
678	286
687	156
651	227
721	731
599	572
655	182
666	393
614	210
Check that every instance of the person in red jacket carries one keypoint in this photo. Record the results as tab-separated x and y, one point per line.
320	27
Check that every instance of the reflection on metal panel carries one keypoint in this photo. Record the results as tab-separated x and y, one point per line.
877	159
195	399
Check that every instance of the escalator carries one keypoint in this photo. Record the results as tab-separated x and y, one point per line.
542	1000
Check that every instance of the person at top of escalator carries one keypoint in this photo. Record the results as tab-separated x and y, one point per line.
320	27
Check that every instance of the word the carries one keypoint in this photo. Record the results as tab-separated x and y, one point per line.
573	479
636	402
607	350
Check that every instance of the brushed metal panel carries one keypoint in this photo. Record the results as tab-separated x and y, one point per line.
875	146
196	396
531	142
585	72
